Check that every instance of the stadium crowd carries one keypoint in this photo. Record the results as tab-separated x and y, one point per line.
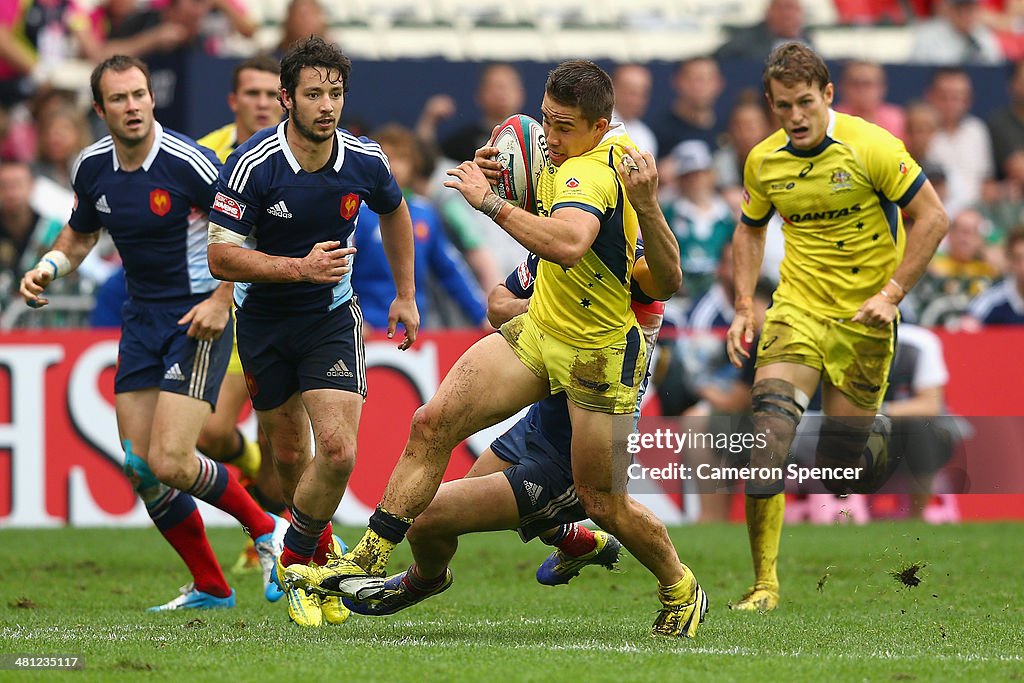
978	166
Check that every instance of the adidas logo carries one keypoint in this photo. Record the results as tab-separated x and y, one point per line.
174	373
532	490
339	369
280	210
101	204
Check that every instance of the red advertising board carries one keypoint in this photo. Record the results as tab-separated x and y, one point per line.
60	455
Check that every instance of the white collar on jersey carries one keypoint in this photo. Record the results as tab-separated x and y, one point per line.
294	163
615	129
158	136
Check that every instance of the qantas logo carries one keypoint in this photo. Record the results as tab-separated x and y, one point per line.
823	215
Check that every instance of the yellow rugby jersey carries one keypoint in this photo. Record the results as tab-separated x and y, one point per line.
222	141
840	206
588	305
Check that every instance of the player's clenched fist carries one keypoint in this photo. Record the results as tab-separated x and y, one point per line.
32	285
327	262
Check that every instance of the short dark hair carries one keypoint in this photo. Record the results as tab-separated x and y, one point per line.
794	63
313	52
255	63
118	63
581	83
945	71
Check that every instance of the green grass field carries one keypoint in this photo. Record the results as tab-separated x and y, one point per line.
844	616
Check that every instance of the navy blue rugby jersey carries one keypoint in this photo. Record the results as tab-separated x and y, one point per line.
155	214
263	193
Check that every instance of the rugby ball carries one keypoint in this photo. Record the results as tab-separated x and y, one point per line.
523	155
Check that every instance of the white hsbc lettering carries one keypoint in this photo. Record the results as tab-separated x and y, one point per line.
25	434
228	206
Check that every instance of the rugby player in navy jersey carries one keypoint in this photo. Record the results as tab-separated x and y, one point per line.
295	191
150	187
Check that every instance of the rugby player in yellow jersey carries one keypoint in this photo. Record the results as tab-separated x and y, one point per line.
578	336
839	183
253	100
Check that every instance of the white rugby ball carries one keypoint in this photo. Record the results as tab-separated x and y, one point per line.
523	155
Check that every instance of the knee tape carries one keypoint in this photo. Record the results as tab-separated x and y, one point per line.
142	478
778	407
777	397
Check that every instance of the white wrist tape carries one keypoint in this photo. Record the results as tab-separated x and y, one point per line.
56	261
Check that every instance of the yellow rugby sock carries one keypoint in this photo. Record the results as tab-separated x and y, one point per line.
372	553
680	592
764	527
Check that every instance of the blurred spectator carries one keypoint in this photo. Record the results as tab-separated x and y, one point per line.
499	94
632	83
62	133
748	125
37	38
862	87
699	217
962	141
1003	304
956	35
489	251
915	402
304	18
783	22
955	277
437	261
1003	205
713	309
1006	19
697	84
174	24
922	125
1006	126
24	234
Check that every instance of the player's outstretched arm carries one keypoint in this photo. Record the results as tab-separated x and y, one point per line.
69	250
930	226
396	235
563	237
747	254
326	262
639	175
